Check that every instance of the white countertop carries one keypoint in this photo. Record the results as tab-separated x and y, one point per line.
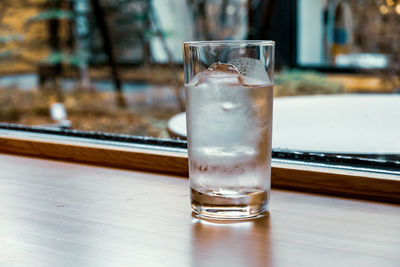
357	124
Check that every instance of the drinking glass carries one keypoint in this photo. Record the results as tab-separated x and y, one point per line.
229	95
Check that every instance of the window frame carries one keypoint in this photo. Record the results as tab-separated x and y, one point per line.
298	175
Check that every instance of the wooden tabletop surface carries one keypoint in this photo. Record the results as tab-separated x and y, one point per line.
55	213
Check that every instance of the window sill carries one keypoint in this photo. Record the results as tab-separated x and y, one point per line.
287	175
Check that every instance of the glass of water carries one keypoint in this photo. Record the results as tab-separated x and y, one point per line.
229	93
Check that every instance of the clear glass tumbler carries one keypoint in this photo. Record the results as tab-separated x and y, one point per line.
229	94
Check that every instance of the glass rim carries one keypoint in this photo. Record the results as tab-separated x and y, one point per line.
230	43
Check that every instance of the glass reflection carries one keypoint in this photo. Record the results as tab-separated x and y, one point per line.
231	243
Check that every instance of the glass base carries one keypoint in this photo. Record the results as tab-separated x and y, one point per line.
232	206
227	213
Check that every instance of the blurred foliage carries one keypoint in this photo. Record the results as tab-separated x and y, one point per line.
52	14
10	37
72	59
296	82
5	39
5	55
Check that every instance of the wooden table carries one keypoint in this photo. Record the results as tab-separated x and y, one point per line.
55	213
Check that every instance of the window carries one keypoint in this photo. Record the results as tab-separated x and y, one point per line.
84	68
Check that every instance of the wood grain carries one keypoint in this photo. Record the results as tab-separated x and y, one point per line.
54	213
332	181
94	153
356	184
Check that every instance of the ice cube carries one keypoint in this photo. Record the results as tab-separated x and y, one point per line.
250	67
222	100
221	67
218	73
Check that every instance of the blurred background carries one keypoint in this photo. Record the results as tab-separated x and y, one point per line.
116	65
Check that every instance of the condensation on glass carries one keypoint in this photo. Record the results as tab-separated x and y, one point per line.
229	93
